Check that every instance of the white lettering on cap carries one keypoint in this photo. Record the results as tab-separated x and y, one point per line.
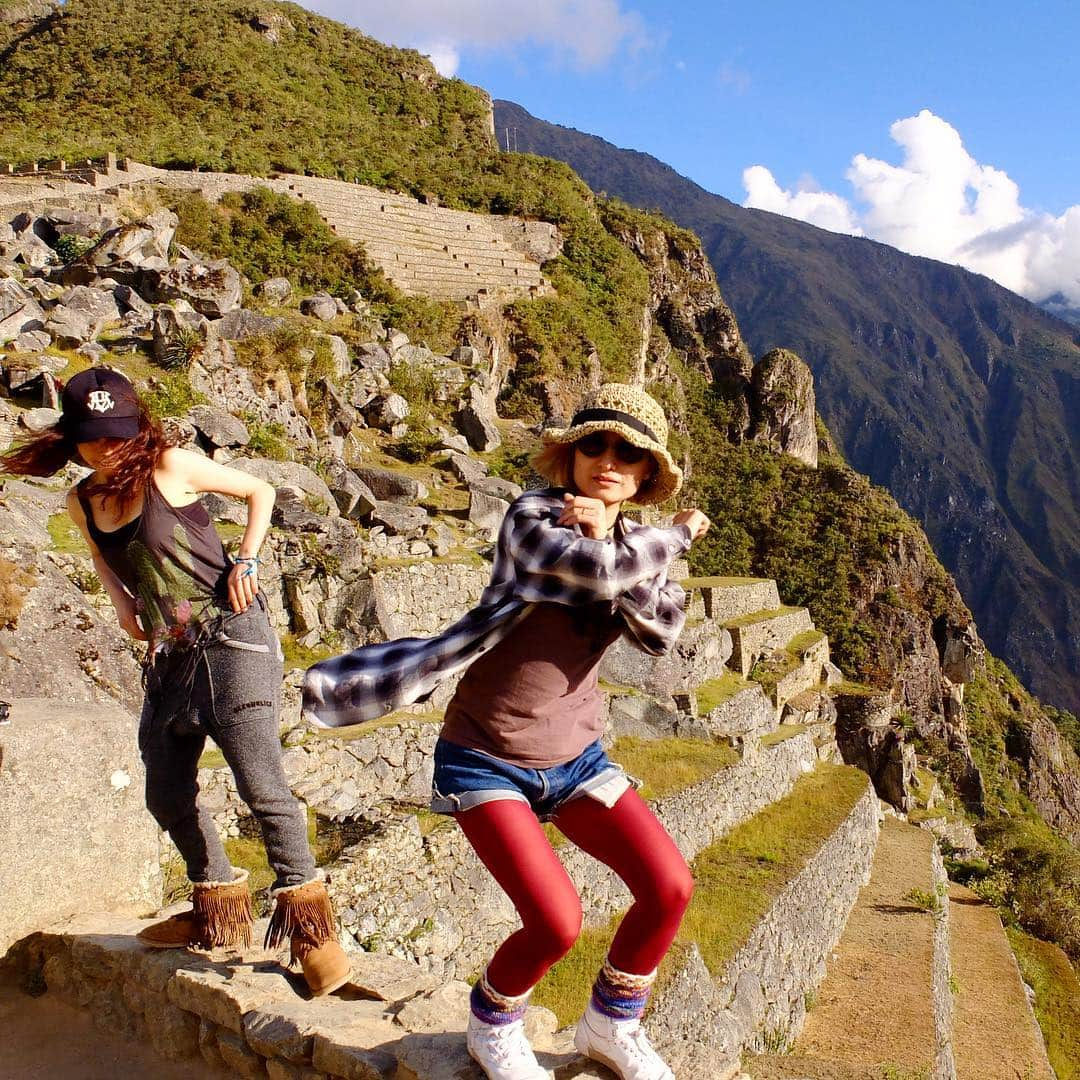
100	401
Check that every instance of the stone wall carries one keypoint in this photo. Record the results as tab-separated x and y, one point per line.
74	834
430	899
702	1026
941	973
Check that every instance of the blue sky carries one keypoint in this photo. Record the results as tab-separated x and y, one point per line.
984	170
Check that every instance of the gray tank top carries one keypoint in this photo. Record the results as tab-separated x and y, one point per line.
170	558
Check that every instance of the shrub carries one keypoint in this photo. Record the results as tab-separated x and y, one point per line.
15	583
70	247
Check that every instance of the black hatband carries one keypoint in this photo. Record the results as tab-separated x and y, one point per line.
588	416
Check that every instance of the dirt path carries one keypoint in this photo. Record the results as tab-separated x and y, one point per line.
874	1007
995	1037
44	1039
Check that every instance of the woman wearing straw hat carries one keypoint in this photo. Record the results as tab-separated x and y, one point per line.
520	744
213	663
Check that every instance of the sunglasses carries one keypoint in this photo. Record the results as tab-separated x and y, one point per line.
626	453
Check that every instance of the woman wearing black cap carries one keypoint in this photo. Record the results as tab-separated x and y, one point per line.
213	666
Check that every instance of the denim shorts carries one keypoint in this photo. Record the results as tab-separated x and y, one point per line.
466	778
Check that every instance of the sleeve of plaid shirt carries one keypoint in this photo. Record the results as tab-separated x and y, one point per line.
555	562
654	614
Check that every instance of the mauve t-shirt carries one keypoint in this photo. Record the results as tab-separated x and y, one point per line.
533	699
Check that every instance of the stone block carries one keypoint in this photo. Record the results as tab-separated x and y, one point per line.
239	1058
356	1052
446	1007
389	978
222	994
71	781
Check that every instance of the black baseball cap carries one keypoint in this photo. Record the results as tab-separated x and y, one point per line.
99	403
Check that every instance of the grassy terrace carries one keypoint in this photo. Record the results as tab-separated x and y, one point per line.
712	694
1047	970
737	880
670	765
761	616
716	582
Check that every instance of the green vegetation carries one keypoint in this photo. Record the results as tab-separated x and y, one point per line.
212	758
1047	971
171	395
65	535
782	734
301	656
924	900
737	879
670	765
268	439
710	695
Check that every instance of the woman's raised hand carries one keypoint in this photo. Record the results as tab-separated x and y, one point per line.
128	618
694	520
590	515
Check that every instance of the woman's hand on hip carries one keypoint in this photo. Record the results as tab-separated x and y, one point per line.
694	520
243	585
590	515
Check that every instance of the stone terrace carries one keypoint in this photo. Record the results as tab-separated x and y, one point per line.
424	250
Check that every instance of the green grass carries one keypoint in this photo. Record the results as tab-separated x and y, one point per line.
670	765
715	692
1046	969
800	644
782	734
302	656
359	731
212	758
716	582
761	616
737	879
65	535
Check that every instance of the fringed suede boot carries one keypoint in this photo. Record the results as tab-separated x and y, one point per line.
303	914
220	915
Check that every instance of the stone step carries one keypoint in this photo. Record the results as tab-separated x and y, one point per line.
725	598
759	632
801	665
761	980
885	1002
995	1034
243	1012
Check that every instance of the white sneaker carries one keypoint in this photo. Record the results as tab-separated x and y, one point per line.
621	1045
502	1051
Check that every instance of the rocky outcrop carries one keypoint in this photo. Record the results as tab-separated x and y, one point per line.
83	844
782	406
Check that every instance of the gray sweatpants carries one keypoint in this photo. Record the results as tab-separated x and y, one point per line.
235	698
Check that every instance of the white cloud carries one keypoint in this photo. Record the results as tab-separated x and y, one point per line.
940	202
818	207
588	32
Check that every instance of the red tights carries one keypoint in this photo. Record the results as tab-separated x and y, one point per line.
627	837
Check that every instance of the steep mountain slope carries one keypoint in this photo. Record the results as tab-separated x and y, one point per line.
959	396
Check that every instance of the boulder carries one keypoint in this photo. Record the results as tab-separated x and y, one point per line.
241	324
407	521
386	411
467	469
31	341
74	833
340	415
321	306
140	243
371	356
353	497
218	427
339	354
130	300
476	420
19	311
275	290
212	288
38	420
282	474
391	486
70	329
489	499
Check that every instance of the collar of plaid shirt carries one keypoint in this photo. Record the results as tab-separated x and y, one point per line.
536	561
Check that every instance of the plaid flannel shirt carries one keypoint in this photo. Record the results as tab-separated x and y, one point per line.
536	561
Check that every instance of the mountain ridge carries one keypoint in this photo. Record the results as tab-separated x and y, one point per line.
960	397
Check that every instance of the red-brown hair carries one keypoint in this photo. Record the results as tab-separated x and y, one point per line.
48	452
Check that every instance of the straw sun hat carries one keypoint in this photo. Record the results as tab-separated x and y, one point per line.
635	416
